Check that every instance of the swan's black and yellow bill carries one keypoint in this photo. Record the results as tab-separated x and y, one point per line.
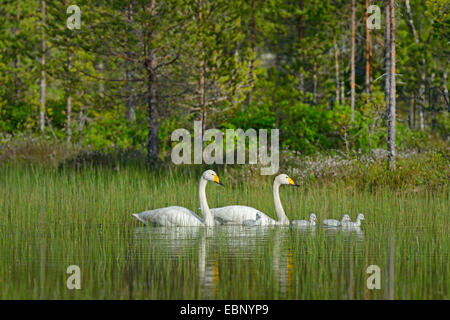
217	180
291	182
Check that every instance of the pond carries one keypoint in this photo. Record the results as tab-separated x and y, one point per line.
229	262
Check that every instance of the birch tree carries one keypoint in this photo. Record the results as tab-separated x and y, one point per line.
352	61
43	71
390	5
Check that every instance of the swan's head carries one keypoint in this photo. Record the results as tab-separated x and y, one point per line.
285	179
210	175
361	217
312	217
346	218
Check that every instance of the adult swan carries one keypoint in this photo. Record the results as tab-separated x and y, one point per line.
182	217
241	215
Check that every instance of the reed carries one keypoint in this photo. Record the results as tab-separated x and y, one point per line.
52	218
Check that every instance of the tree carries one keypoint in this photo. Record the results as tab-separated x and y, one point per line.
352	61
390	5
422	63
43	72
387	56
221	71
368	53
149	40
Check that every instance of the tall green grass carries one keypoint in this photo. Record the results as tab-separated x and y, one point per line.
52	218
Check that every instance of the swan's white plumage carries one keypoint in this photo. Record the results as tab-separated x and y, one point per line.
336	223
251	223
237	214
357	223
305	223
240	214
181	217
170	216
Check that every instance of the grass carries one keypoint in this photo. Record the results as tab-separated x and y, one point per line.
52	218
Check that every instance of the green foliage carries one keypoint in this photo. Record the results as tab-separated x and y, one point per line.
244	51
415	173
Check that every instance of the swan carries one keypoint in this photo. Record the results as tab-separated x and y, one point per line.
336	223
251	223
354	224
305	223
242	214
182	217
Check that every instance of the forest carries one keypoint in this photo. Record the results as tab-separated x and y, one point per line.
120	76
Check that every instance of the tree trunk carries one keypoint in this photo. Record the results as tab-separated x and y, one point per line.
202	96
301	77
16	62
152	101
411	112
43	73
387	57
392	91
343	75
202	71
352	62
68	90
68	95
368	54
315	77
253	50
431	100
336	66
445	90
129	101
422	70
152	146
81	121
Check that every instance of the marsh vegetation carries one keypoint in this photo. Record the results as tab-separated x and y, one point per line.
52	218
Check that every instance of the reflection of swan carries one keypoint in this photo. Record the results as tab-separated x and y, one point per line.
167	241
182	217
354	224
350	232
353	230
282	261
336	223
179	243
239	214
208	269
305	223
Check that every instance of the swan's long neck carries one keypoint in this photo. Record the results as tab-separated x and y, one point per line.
358	222
204	208
282	218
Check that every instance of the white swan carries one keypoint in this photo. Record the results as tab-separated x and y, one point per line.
243	214
182	217
305	223
336	223
251	223
354	224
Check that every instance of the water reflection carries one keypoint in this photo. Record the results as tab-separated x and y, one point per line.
347	231
282	261
234	243
208	269
304	230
